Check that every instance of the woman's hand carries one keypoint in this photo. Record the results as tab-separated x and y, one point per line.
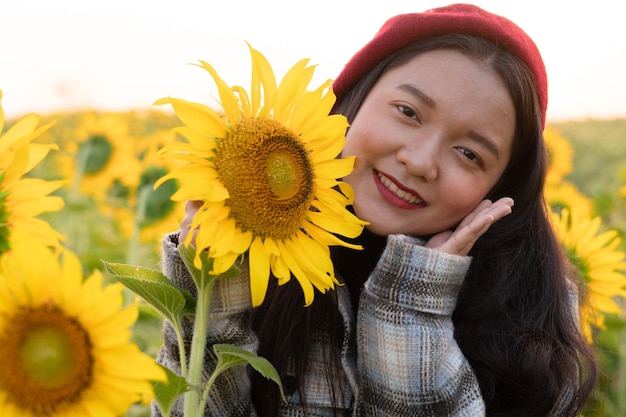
191	208
473	226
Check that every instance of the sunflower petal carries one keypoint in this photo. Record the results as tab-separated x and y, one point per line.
197	116
263	83
259	271
227	97
292	86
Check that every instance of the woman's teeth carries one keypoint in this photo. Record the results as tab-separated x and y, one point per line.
406	196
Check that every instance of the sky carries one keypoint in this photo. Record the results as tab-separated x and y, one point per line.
64	55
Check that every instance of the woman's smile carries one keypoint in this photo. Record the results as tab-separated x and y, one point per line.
396	193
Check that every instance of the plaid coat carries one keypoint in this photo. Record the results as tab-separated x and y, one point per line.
398	358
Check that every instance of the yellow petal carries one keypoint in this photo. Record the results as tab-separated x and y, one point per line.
20	133
229	101
39	151
197	116
224	263
334	168
294	266
332	224
312	108
263	83
293	85
259	271
198	141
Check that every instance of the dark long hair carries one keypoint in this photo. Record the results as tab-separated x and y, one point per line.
514	319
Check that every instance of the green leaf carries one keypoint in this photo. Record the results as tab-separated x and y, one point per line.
202	277
135	271
154	287
229	356
166	394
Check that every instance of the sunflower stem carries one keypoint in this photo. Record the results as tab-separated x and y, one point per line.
205	394
79	172
181	348
198	343
140	216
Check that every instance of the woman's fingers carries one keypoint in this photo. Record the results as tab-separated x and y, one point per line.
473	226
191	208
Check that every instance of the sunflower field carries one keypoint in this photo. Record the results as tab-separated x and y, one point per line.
86	182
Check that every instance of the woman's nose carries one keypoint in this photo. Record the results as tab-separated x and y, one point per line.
421	158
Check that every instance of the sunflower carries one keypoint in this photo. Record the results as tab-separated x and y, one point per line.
143	209
266	172
22	199
565	195
100	151
159	213
560	155
599	264
64	341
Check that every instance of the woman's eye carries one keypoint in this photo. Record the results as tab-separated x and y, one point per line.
469	155
407	111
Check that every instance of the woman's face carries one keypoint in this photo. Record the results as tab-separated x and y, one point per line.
431	139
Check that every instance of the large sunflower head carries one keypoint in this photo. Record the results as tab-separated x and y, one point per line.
64	341
266	169
22	199
600	265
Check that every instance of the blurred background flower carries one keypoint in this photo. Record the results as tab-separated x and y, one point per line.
599	264
100	151
588	214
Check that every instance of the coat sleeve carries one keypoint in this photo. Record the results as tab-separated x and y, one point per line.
229	323
409	363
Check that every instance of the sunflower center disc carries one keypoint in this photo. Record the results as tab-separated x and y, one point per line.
48	359
283	175
46	355
95	154
268	174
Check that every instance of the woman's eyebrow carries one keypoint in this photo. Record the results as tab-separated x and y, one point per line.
422	96
486	142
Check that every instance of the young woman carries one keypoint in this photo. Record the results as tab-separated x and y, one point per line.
460	304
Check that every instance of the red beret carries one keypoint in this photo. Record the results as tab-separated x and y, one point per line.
402	30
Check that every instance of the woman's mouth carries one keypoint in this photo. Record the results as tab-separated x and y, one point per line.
396	194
